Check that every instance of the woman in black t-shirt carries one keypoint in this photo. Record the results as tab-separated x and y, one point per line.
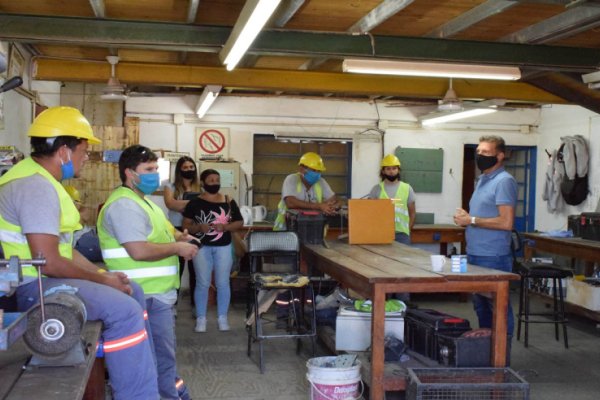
211	217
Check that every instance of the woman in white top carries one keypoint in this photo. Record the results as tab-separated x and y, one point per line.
186	180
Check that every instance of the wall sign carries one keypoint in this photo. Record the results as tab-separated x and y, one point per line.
212	143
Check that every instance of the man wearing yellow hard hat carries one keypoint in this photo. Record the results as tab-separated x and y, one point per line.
306	190
37	216
401	193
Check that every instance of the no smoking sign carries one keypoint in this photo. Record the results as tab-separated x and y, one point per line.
212	143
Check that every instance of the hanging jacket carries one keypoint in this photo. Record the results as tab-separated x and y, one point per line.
552	180
14	242
154	277
575	156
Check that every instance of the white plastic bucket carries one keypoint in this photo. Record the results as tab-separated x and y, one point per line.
330	383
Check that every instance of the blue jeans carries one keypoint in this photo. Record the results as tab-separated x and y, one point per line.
131	366
483	306
162	325
402	237
219	259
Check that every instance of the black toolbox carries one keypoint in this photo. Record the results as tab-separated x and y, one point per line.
309	225
423	326
468	349
590	226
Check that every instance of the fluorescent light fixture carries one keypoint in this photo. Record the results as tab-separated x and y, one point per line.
253	17
209	95
591	78
438	118
431	69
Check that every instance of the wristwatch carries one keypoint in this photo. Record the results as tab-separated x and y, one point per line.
473	221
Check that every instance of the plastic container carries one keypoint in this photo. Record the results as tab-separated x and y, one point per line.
330	383
308	225
359	324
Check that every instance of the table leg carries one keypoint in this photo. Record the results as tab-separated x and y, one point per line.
444	248
499	325
377	343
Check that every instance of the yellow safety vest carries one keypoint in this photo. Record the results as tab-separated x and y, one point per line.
401	217
154	277
14	242
280	224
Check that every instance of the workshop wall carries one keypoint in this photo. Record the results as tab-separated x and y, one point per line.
557	121
360	121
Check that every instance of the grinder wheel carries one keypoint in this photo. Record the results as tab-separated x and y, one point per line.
65	315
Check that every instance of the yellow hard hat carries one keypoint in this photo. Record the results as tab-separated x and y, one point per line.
390	161
62	121
73	192
312	160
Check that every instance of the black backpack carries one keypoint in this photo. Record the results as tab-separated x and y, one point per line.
574	191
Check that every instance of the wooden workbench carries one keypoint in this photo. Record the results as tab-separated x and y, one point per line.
375	270
573	248
50	383
439	233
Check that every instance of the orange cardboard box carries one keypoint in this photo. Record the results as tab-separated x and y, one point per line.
370	221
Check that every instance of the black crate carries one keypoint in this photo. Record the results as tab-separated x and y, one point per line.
574	224
468	349
590	226
466	384
309	225
422	326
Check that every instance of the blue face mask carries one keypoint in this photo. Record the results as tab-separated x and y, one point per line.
311	177
148	182
66	169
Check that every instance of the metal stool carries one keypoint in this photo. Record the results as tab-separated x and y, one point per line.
270	281
531	270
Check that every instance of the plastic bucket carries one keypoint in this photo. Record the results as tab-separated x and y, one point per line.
331	383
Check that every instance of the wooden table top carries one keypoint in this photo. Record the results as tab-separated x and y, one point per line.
395	262
573	241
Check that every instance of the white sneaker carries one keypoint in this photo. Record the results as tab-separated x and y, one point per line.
201	324
223	324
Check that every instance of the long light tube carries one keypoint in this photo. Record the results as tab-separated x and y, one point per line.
438	119
208	97
253	17
431	69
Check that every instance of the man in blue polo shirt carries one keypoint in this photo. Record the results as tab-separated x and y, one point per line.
490	220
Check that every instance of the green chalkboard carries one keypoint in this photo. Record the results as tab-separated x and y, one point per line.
422	168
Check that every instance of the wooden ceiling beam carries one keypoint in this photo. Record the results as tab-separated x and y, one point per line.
180	37
571	22
287	81
470	18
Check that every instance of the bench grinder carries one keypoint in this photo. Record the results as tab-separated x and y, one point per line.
52	329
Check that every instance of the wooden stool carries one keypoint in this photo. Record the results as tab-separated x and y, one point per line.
531	270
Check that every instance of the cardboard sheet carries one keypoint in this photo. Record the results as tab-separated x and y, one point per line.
370	221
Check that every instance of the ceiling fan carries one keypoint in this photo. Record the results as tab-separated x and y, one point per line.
450	103
113	91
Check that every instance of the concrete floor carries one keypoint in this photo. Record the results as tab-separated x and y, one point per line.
215	364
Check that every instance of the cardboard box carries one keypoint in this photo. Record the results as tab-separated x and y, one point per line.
353	329
583	294
370	221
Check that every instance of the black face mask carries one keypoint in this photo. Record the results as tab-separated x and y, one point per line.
485	162
212	189
189	174
392	178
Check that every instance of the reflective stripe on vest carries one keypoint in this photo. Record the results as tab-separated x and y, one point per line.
280	224
154	277
14	242
400	200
